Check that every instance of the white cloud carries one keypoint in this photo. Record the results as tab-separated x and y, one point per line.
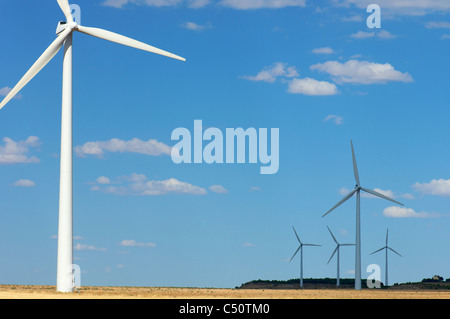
438	187
387	193
325	50
79	246
338	120
308	86
138	184
247	244
402	7
362	35
353	18
24	183
437	25
407	196
133	243
254	189
5	91
260	4
383	34
218	189
445	36
15	152
115	3
196	27
103	180
151	147
362	72
119	4
403	212
270	74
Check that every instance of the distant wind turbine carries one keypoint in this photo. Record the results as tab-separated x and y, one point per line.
357	190
386	247
65	31
336	250
301	255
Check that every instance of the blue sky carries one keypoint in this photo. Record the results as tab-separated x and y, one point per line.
313	69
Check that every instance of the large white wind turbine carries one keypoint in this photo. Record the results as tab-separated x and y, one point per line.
301	255
336	250
357	190
387	248
64	37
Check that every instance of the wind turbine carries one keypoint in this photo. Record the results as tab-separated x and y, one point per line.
301	255
386	247
336	250
65	31
357	190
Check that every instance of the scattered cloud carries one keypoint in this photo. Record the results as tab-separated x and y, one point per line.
218	189
338	120
437	25
387	193
308	86
80	247
438	187
138	184
115	3
403	212
362	72
24	183
401	7
353	18
196	27
445	36
151	147
362	35
271	73
262	4
247	244
103	180
195	4
382	34
133	243
254	189
5	91
325	50
15	152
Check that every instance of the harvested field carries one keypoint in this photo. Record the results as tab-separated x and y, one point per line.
49	292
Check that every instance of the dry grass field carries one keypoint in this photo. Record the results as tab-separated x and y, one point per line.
49	292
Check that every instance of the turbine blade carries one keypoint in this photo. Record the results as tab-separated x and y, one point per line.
342	201
334	238
346	244
355	167
296	235
65	7
117	38
295	253
335	250
395	252
311	245
380	195
387	231
38	65
378	250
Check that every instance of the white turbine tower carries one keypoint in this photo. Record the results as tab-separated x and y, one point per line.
64	37
387	248
357	190
336	250
301	255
